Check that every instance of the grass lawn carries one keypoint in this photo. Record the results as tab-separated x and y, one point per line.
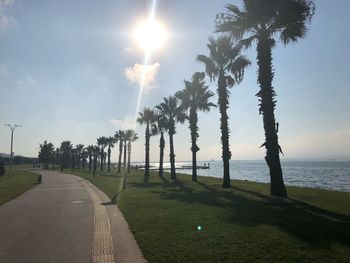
241	224
107	182
14	183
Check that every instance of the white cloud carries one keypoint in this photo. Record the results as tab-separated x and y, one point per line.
135	74
5	20
127	123
128	50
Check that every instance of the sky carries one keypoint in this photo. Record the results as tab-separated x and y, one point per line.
70	70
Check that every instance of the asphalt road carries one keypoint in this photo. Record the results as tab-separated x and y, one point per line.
53	222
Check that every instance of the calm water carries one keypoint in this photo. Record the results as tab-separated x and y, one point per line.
333	175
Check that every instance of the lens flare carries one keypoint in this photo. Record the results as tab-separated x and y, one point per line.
150	35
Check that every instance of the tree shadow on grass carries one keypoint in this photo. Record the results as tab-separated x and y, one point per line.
316	226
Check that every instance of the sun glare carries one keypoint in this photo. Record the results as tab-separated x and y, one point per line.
150	35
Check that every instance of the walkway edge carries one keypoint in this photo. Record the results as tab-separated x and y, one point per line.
125	246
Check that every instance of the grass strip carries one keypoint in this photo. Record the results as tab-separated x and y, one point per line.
14	183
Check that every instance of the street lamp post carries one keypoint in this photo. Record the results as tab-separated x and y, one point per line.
12	127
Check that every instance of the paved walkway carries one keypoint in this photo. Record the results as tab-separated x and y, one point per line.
64	220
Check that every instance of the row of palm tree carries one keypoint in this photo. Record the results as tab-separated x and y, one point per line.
184	105
68	156
257	21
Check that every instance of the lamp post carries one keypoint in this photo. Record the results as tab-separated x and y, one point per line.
12	127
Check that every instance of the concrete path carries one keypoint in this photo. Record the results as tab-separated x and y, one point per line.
64	220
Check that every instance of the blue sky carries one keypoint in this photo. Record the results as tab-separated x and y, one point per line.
62	76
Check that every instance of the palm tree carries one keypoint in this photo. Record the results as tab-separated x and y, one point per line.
125	144
65	149
195	97
102	142
96	154
172	112
79	149
159	128
119	136
130	136
261	22
147	116
46	153
84	155
90	150
110	143
226	65
57	155
73	158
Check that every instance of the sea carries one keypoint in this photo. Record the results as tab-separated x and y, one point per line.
331	175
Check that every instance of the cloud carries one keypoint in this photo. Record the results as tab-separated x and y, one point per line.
5	20
128	50
134	74
127	123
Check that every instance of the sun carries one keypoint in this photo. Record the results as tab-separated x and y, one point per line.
150	35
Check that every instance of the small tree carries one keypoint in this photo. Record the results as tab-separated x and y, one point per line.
46	153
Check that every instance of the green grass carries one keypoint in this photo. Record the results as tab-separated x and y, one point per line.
14	183
241	224
107	182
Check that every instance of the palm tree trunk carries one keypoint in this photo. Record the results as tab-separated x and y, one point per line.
90	160
120	155
267	105
194	147
129	153
102	154
78	161
161	153
95	164
124	156
147	137
109	158
223	105
172	157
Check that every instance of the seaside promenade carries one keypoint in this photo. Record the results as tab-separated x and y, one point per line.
65	219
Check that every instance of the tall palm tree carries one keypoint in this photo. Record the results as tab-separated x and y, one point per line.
110	143
79	148
102	143
172	112
119	136
147	116
130	136
261	22
226	65
160	128
90	150
195	97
